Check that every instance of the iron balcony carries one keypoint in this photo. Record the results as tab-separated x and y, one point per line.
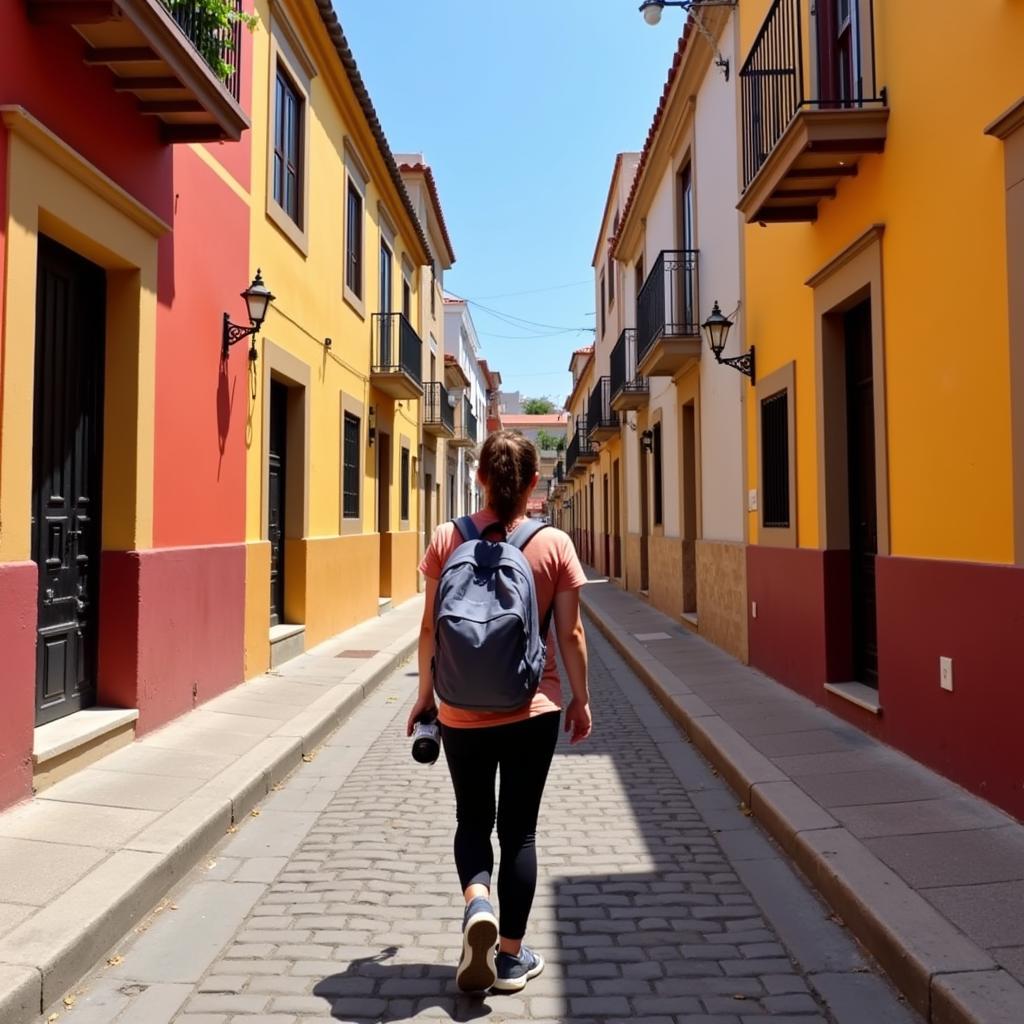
438	410
396	365
180	64
628	389
667	321
602	420
798	146
465	429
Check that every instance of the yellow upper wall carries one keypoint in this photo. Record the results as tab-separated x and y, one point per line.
307	275
939	190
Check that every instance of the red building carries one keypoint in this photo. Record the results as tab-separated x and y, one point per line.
124	237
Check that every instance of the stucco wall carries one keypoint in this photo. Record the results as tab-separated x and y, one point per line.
722	595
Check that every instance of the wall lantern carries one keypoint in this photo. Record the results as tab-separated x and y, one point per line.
652	11
647	441
717	329
258	298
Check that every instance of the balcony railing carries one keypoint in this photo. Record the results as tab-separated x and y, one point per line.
397	348
771	80
469	421
559	471
667	303
217	44
572	454
602	421
438	411
625	379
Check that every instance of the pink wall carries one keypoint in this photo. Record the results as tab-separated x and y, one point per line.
17	678
172	629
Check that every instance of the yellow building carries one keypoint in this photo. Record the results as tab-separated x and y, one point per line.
882	169
332	510
577	515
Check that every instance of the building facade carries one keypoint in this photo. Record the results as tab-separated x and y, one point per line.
121	520
469	386
886	558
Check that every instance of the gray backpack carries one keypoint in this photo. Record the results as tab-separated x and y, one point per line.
489	650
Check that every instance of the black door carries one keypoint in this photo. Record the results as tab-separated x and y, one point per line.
67	476
276	481
860	433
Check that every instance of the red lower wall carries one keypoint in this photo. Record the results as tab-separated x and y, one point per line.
18	593
926	608
172	628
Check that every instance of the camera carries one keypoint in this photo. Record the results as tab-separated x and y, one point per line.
426	738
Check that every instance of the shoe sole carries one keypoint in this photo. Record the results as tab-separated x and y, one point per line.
518	984
477	971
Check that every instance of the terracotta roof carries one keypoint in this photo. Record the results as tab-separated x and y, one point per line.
585	351
659	114
348	62
428	174
452	300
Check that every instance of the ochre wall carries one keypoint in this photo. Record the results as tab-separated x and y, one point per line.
722	595
944	264
665	568
337	596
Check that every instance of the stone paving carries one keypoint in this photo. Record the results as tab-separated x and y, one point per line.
659	900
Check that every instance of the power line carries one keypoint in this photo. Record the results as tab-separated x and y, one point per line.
533	291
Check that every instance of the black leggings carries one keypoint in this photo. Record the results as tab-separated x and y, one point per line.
523	750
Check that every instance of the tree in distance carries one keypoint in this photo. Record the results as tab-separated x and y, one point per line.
538	406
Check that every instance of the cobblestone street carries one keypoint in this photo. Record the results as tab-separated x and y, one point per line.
659	900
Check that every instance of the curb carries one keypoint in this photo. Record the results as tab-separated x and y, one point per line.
45	957
943	975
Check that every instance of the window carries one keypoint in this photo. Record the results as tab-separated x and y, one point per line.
354	242
288	147
385	277
611	281
405	485
433	293
406	299
656	456
775	460
350	468
638	274
603	322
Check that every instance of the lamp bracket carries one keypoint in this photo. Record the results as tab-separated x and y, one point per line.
234	333
745	364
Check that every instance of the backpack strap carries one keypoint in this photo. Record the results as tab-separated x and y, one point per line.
525	532
520	537
466	527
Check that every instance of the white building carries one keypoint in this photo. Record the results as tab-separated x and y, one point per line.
467	384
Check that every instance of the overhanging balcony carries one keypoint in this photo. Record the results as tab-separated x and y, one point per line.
667	328
438	410
181	65
801	141
396	365
466	427
629	389
602	420
581	452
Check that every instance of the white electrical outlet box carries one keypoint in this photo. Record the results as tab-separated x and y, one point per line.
753	609
946	673
752	500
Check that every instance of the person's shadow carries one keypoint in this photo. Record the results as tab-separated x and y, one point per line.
372	991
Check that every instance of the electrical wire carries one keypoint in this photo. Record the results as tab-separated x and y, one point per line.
533	291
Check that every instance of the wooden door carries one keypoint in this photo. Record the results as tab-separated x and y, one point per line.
838	59
383	482
606	522
616	523
67	477
644	517
276	489
860	446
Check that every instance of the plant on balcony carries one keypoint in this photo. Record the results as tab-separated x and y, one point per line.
550	442
209	25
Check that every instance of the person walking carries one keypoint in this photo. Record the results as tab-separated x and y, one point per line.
518	743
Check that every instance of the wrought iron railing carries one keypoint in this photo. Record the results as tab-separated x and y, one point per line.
397	347
623	366
572	453
218	44
438	409
559	471
599	406
667	303
772	80
469	421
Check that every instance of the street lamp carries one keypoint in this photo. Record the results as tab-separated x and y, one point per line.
257	300
717	327
652	11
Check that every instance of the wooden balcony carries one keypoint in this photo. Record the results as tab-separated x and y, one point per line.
798	148
171	62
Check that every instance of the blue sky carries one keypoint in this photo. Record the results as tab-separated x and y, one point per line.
520	109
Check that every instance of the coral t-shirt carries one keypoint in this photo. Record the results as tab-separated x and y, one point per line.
556	567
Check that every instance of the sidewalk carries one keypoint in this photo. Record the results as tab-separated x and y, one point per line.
84	861
928	877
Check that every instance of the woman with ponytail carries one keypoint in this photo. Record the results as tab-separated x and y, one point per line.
517	746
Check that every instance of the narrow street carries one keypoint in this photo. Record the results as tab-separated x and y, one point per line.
659	900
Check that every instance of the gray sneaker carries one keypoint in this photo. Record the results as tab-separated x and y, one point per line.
515	971
476	971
